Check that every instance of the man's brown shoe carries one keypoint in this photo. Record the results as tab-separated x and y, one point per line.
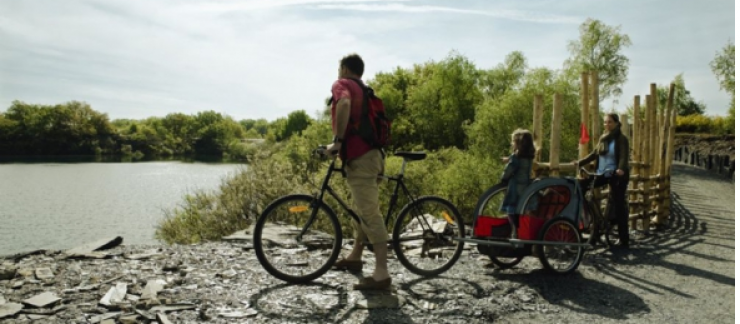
368	283
349	265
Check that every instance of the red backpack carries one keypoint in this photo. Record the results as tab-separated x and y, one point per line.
374	127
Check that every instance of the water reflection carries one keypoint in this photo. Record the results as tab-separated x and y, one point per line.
57	203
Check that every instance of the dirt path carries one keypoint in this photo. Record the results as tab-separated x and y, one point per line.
685	274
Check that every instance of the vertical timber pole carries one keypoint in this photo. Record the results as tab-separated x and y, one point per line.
635	175
595	116
557	119
537	126
583	147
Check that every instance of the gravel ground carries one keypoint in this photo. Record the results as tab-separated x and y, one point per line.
683	274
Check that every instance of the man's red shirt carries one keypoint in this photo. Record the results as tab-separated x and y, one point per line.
345	88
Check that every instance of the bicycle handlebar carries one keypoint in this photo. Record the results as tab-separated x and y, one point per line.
607	173
321	152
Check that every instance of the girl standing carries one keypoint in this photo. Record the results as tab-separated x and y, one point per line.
517	174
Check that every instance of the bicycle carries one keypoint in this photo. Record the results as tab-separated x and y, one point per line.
599	226
303	233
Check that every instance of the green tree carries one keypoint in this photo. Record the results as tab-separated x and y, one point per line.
261	126
683	102
394	88
296	123
496	119
444	101
505	76
247	123
599	48
723	67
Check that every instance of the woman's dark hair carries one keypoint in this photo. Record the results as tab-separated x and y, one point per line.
523	143
615	118
354	63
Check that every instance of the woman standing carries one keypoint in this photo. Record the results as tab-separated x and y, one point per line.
612	153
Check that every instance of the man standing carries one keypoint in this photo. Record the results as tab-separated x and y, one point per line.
363	164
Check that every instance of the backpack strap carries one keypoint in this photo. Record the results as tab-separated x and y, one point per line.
365	96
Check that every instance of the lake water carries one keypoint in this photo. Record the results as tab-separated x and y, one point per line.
61	205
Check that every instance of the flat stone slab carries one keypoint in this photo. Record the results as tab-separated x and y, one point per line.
152	288
36	317
103	317
115	295
7	271
239	314
143	256
42	300
171	308
103	244
44	273
2	300
10	309
163	319
129	319
240	235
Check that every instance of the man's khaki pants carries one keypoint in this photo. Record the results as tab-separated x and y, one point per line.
363	181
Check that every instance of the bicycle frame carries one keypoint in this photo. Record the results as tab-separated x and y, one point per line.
591	206
325	187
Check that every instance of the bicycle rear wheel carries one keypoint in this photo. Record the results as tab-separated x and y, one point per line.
423	236
294	246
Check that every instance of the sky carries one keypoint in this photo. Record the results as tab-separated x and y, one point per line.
264	59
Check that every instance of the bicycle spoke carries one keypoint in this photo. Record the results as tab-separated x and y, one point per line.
293	245
423	236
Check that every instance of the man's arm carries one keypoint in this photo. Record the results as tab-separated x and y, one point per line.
342	117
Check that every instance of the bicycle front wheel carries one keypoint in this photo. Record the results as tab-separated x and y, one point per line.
423	236
297	238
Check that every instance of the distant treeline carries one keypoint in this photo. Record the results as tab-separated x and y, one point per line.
74	128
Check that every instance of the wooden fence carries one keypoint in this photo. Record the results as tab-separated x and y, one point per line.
651	132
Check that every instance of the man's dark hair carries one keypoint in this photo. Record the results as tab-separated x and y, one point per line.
354	63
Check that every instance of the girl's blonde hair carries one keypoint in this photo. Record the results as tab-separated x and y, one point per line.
523	143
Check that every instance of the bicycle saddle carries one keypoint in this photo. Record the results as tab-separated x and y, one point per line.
413	156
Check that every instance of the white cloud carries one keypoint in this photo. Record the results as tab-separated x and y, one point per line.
505	14
254	59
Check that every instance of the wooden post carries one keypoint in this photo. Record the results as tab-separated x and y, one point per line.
636	142
557	118
654	149
583	148
649	159
595	116
666	154
671	140
537	126
635	206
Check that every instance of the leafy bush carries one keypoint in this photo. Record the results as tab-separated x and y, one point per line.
705	124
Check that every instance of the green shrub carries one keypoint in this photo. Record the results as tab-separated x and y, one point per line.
705	124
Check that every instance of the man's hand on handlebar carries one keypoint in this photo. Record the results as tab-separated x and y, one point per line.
333	149
330	150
